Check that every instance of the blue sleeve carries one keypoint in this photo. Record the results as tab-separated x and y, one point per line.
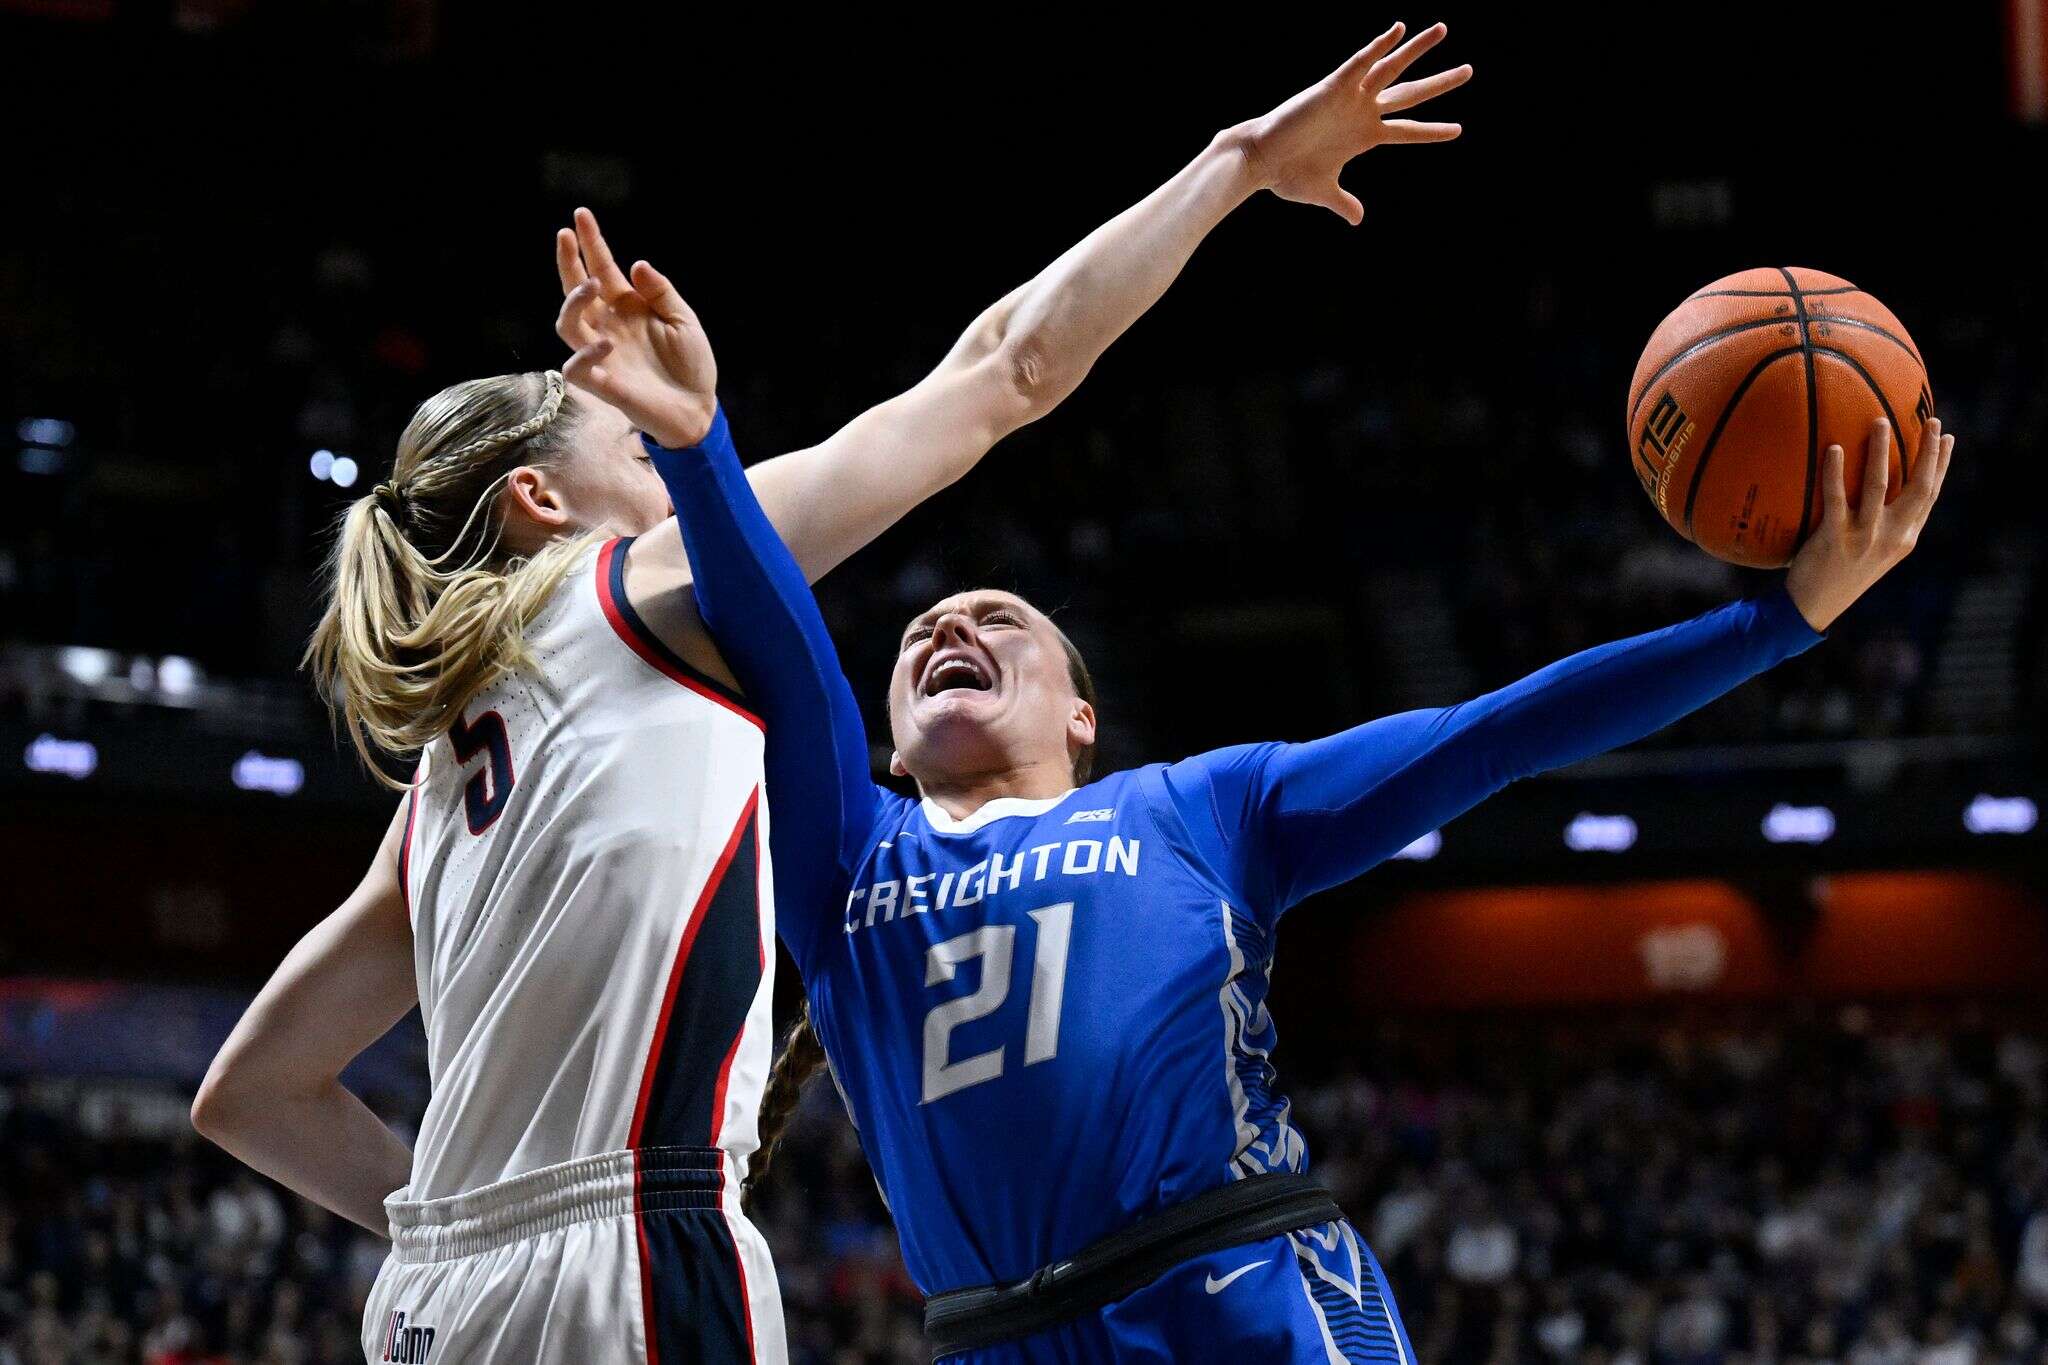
761	615
1279	822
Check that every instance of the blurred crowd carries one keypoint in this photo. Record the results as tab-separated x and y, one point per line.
1308	498
1839	1191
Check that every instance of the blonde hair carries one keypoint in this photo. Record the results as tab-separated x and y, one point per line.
424	607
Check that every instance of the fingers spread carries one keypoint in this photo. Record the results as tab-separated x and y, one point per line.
1925	479
576	323
1877	472
1361	61
1389	68
1834	489
598	256
1344	204
1408	130
585	368
568	260
661	296
1408	94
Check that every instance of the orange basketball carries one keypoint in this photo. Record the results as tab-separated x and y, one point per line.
1743	388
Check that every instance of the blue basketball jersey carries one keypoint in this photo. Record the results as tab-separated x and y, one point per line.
1047	1020
1048	1017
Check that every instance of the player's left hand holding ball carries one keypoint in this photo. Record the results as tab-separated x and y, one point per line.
1854	547
637	344
1297	150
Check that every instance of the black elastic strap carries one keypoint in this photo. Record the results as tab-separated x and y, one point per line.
1247	1210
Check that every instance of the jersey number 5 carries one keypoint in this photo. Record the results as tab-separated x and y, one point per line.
489	787
995	944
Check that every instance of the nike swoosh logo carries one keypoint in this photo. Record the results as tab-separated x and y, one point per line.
1216	1286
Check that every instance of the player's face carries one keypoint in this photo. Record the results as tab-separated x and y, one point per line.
604	482
981	684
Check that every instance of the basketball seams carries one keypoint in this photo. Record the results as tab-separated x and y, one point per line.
1699	469
1812	407
1767	293
1635	408
1870	382
1903	343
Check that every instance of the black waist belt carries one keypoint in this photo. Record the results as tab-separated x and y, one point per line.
1243	1211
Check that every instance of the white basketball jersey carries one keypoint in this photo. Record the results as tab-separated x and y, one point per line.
585	863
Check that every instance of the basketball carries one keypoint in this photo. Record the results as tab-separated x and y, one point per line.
1744	387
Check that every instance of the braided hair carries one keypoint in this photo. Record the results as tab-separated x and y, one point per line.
802	1057
425	608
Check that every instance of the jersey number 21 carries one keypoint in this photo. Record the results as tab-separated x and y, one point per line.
995	944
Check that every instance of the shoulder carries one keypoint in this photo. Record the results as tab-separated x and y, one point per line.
644	586
893	812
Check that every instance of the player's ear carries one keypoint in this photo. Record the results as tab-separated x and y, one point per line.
896	768
1081	725
529	493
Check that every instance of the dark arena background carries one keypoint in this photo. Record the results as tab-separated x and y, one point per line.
1728	1047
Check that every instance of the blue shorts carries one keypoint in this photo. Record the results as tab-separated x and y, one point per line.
1315	1296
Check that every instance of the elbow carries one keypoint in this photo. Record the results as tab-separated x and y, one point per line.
1034	383
218	1107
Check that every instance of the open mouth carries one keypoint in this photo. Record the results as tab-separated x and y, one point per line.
952	675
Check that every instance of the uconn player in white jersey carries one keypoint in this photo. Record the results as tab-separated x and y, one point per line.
574	889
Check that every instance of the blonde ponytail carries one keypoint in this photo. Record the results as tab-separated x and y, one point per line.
424	610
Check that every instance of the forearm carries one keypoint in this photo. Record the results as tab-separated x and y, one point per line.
1337	806
324	1144
1060	323
1014	364
760	613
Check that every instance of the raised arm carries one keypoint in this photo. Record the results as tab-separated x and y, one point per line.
1026	353
720	571
1278	822
760	613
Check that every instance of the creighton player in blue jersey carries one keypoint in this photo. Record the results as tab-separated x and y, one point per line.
1043	996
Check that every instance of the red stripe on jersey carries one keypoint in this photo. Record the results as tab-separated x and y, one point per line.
650	651
739	1263
646	1269
675	973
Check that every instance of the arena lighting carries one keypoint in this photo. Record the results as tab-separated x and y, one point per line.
41	460
1425	848
343	473
258	772
45	431
1789	824
1589	833
177	676
322	463
2000	815
74	758
87	665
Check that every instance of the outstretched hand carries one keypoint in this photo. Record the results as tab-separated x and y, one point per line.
1298	150
637	345
1850	550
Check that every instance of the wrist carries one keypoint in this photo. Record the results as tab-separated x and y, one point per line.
686	426
1814	602
1237	149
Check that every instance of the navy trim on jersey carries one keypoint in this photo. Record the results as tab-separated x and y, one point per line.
627	622
711	989
693	1287
489	789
